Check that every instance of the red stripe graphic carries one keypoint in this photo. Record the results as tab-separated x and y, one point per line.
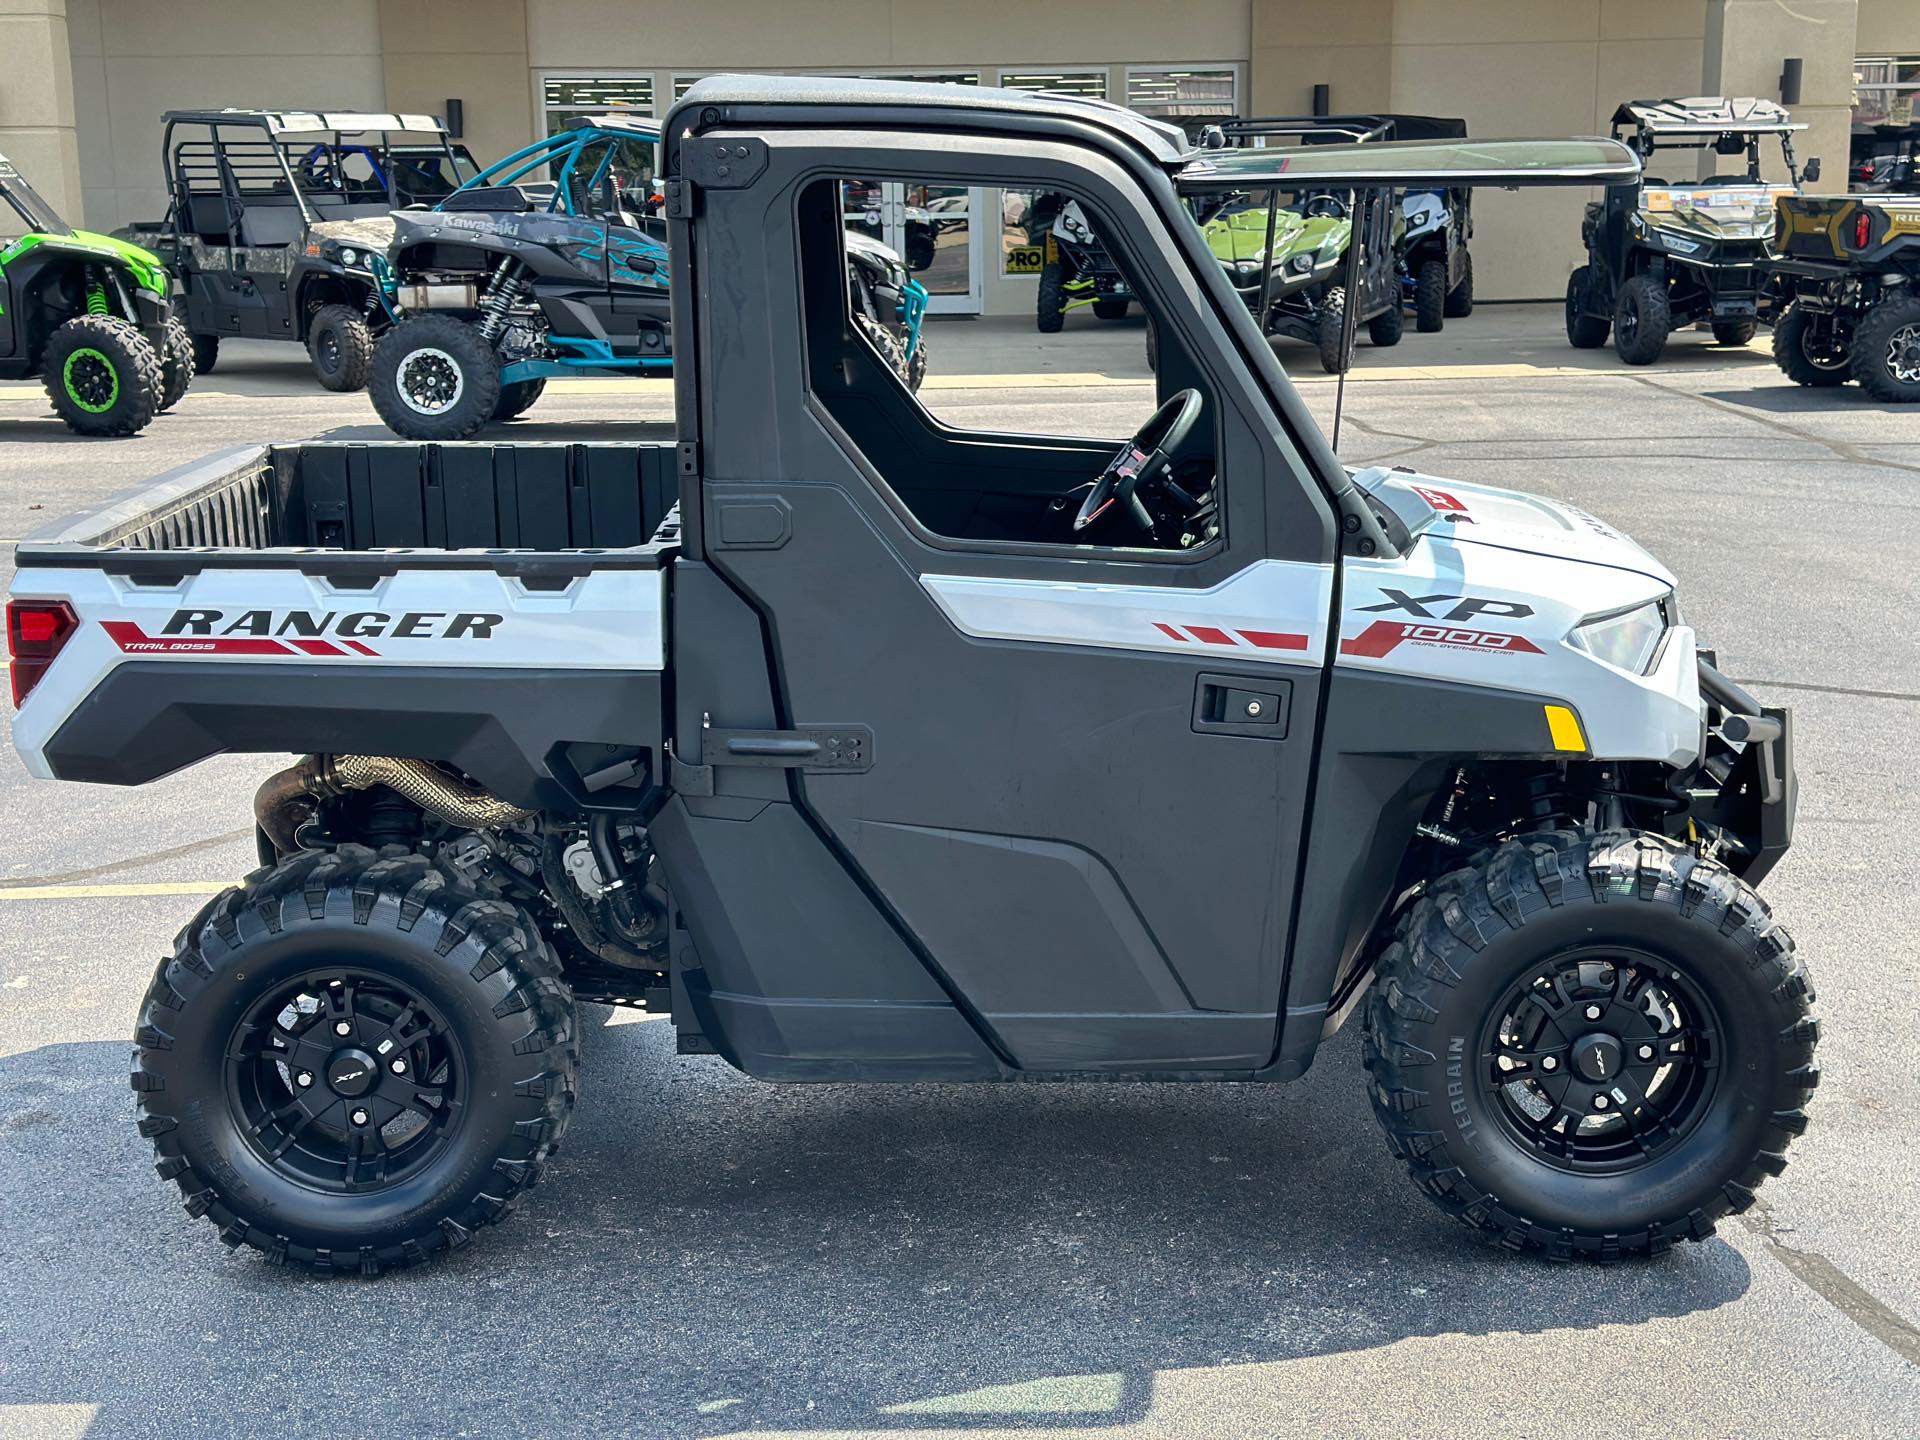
1383	636
1210	635
135	641
1275	640
1169	631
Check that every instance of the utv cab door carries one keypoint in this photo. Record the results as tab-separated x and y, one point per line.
1038	802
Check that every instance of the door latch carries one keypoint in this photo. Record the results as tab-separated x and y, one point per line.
845	749
1242	705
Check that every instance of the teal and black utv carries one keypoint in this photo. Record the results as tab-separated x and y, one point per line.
89	314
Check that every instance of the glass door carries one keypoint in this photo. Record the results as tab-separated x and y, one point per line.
933	227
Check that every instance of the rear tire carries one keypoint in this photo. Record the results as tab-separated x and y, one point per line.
391	1167
1642	320
1734	332
889	346
1460	298
1384	330
1051	306
1886	351
176	365
1430	297
341	348
1803	357
102	376
1329	332
917	366
1110	309
1545	1129
516	399
206	353
1585	331
434	378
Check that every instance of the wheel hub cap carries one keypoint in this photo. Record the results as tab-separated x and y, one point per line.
1903	354
352	1072
429	382
1597	1057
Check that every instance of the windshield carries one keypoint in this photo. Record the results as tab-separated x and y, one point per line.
24	211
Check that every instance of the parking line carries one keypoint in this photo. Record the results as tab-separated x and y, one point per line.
112	892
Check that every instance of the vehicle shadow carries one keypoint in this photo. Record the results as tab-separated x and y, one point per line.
1807	400
710	1255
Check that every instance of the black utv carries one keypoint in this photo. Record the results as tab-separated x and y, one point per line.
277	227
1672	252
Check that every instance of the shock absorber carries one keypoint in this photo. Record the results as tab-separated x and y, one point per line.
96	294
497	304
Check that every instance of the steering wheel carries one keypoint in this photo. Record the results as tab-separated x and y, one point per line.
1329	206
1148	454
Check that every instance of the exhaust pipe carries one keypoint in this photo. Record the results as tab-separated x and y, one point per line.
286	801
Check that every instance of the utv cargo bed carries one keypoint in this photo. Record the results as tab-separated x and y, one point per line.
513	592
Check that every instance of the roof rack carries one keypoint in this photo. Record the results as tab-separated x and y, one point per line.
1708	115
310	122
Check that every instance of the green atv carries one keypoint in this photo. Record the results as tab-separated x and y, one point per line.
1847	270
90	314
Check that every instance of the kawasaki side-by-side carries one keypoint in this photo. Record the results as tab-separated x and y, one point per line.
516	278
866	746
87	313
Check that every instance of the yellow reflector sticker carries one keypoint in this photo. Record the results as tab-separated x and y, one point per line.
1564	726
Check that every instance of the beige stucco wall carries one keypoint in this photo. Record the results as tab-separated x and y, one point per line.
471	50
1889	27
37	126
133	59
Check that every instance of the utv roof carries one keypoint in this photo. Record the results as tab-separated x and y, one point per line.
1165	143
1707	115
1395	126
640	125
1591	161
308	122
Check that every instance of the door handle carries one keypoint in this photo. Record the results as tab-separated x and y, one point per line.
1251	705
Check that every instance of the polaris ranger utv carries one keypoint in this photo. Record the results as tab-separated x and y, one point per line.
276	225
516	278
1847	269
1665	254
88	314
900	751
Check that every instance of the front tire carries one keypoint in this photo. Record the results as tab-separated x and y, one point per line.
1460	298
517	399
102	376
351	1062
1591	1046
1430	297
1734	332
1886	351
1051	306
176	365
1805	355
1329	333
206	353
1642	320
434	378
341	348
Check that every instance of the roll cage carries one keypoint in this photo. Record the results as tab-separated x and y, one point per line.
39	217
1728	127
559	156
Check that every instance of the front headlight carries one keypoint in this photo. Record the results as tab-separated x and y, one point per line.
348	255
1628	640
1246	269
1676	243
1300	264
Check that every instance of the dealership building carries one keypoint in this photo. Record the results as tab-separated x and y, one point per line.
84	82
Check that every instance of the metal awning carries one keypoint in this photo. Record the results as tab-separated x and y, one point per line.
1415	164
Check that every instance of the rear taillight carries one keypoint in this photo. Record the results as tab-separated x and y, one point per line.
36	629
1862	226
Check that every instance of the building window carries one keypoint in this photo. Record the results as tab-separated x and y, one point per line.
1188	97
568	98
1023	236
1885	88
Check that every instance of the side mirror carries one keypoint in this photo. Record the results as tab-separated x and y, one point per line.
1812	172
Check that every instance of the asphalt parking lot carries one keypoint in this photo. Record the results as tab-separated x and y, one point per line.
711	1255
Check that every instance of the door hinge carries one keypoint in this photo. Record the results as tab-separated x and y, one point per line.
845	749
681	200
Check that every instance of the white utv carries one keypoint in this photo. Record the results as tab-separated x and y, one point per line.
870	748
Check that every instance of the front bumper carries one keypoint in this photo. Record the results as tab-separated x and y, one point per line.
1748	749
